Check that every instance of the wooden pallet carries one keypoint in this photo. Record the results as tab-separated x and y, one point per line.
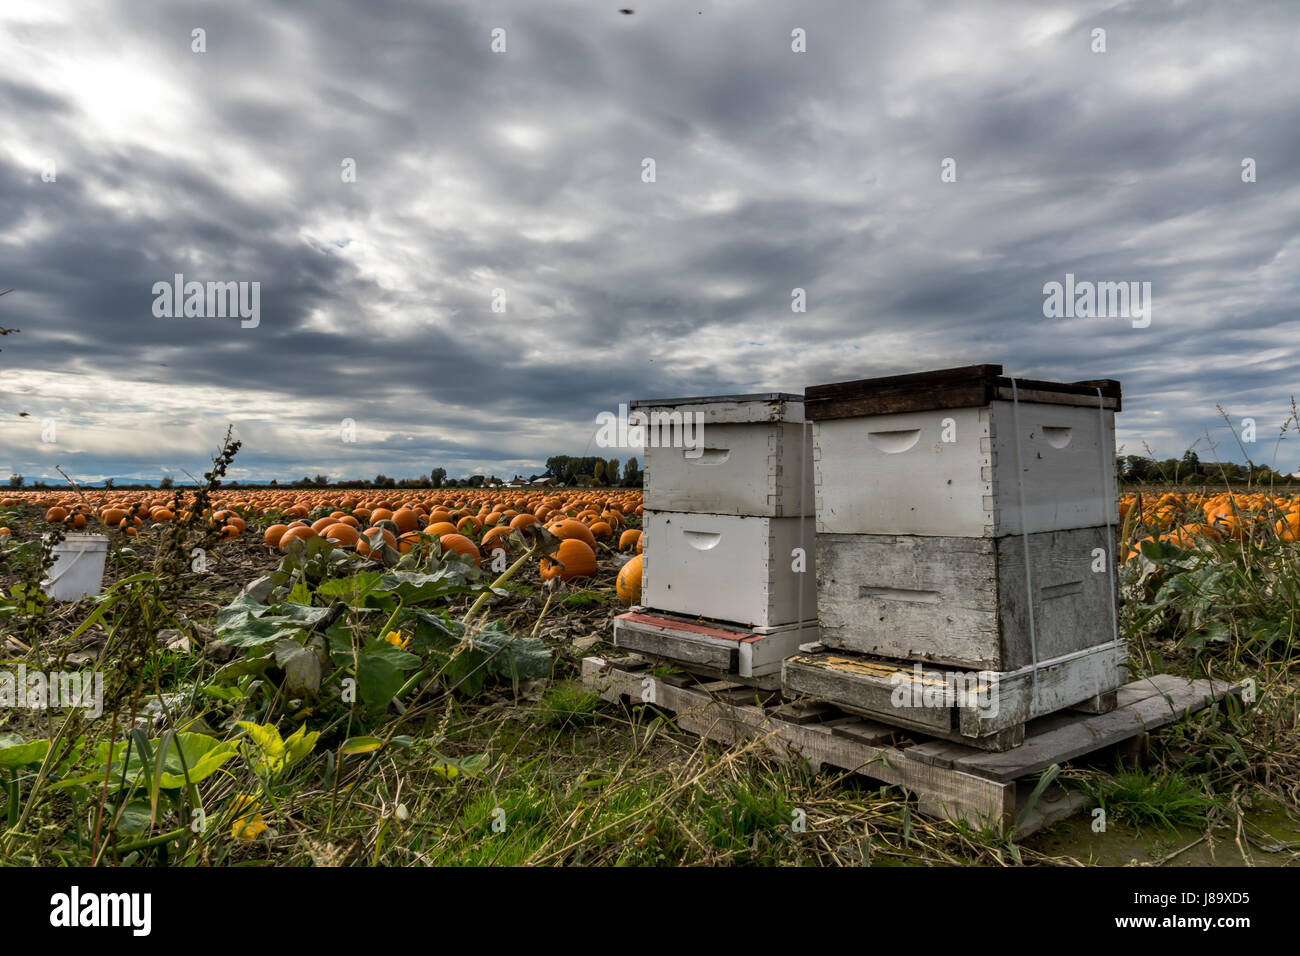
991	710
950	780
750	655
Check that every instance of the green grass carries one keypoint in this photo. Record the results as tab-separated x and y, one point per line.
569	705
578	600
1169	800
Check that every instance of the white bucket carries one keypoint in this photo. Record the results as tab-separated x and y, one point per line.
78	569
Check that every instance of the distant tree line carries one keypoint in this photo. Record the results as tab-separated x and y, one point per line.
560	469
1190	470
594	471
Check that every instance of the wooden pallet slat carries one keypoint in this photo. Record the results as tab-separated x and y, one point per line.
1068	739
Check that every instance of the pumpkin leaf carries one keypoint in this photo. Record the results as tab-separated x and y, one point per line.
255	631
379	672
512	656
415	587
16	752
352	589
302	668
135	817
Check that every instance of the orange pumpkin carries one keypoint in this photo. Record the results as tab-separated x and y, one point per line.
297	531
343	534
574	559
628	584
406	520
573	529
460	544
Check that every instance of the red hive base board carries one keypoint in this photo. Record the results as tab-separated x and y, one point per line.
711	647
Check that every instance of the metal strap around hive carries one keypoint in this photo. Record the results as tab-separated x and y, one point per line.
1105	507
803	511
1024	534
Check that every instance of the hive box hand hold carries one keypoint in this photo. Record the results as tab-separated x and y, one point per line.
955	452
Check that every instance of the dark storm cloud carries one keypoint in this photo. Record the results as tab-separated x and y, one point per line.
521	171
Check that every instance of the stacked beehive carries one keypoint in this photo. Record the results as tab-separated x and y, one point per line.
965	522
728	581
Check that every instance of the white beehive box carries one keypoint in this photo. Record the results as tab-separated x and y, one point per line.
737	568
747	455
949	453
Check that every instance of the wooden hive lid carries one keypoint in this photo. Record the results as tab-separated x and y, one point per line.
965	387
732	409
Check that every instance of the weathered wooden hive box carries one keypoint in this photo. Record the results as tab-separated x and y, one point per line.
929	488
729	526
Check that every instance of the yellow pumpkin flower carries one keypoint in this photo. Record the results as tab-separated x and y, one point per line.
397	639
249	825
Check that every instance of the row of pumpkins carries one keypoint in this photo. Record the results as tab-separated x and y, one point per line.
581	520
1184	519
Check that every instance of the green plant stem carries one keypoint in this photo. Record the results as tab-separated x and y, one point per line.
153	841
392	620
506	575
545	607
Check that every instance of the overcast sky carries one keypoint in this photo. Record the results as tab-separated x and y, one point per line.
127	157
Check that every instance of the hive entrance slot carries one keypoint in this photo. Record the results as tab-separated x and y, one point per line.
1058	436
899	594
706	456
702	540
893	442
1061	590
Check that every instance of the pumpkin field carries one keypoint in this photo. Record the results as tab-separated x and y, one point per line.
329	677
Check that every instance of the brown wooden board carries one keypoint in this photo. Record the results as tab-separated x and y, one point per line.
963	387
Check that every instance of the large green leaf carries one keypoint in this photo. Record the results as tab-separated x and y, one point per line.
352	589
135	817
519	658
257	631
415	587
200	754
240	608
301	666
379	672
16	752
